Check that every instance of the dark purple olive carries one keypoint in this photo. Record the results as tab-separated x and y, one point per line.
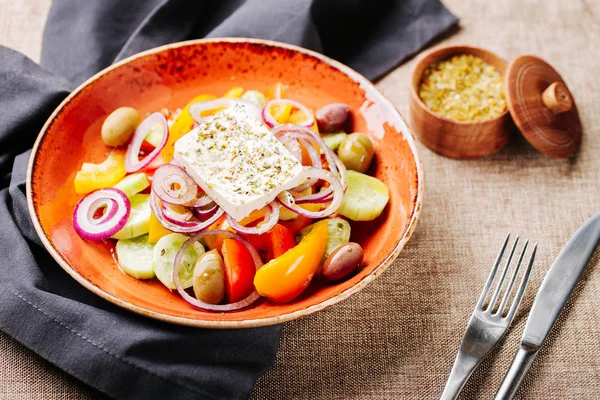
332	116
342	262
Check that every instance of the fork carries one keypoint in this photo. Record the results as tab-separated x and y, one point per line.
487	325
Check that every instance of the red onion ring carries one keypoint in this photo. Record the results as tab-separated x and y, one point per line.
315	159
310	144
190	227
132	162
323	196
202	201
270	119
299	132
293	147
296	131
176	214
288	201
104	227
313	154
271	218
197	109
206	306
110	209
164	180
341	170
203	213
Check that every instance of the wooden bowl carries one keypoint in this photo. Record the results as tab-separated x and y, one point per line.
457	138
168	77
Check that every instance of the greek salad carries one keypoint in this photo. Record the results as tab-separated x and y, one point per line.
232	198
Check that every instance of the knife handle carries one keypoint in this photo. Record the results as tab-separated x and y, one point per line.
516	372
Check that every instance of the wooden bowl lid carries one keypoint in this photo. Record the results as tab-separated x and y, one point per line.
542	107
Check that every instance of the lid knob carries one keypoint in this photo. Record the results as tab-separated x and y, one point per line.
557	98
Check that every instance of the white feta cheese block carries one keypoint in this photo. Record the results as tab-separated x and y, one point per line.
236	160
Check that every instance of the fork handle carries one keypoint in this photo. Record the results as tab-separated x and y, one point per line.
462	369
516	372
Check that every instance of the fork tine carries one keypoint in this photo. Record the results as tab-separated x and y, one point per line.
521	291
502	277
512	281
492	275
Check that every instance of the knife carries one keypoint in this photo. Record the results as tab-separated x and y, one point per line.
551	298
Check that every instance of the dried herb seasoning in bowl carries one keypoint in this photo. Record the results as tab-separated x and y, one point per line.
463	88
456	102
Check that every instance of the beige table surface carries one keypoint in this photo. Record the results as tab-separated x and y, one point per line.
398	337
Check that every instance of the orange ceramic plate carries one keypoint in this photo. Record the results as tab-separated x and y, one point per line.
168	77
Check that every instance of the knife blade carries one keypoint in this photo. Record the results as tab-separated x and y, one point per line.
560	281
558	284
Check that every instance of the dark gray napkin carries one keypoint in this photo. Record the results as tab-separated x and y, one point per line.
122	354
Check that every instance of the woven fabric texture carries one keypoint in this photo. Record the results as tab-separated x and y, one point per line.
398	337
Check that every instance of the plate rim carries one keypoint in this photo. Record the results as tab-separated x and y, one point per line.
407	133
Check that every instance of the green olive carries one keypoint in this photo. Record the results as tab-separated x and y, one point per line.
209	278
356	152
119	126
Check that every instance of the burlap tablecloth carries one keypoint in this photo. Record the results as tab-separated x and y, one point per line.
398	337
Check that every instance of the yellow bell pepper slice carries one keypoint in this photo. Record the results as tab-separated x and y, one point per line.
156	230
97	176
298	116
277	91
285	277
286	215
181	126
234	93
315	127
280	112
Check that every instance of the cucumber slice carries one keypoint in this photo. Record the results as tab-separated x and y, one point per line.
139	218
136	257
338	233
164	256
133	183
254	96
333	140
365	198
155	135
